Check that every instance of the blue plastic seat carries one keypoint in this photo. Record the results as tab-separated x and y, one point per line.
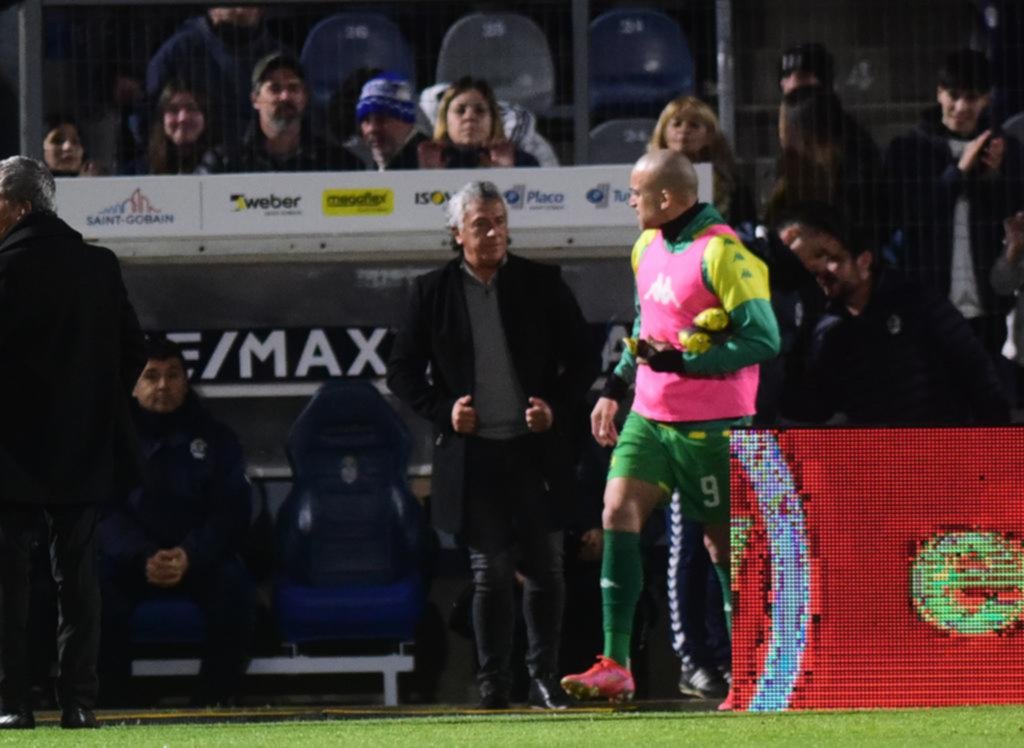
345	42
620	141
508	50
638	59
350	533
171	619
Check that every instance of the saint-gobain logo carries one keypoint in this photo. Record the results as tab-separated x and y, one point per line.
514	196
598	196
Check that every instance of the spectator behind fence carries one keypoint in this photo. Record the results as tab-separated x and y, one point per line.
469	132
63	151
494	351
825	156
70	348
518	122
214	55
386	114
806	65
1007	278
689	126
954	179
887	351
180	533
279	138
180	135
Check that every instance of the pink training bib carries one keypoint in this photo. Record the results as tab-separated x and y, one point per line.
671	290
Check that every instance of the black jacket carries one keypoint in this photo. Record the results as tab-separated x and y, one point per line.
251	155
925	184
908	358
550	349
194	494
70	353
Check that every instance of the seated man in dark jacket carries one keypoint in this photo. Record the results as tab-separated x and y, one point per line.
887	351
181	532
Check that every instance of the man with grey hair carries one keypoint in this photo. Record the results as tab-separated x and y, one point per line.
510	362
70	352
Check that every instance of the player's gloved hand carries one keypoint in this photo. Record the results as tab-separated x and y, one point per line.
669	360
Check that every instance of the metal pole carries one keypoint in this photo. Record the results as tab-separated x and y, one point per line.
30	77
581	80
726	69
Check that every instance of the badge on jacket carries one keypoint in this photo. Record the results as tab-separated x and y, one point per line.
198	448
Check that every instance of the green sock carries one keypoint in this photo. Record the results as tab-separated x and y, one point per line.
622	578
726	582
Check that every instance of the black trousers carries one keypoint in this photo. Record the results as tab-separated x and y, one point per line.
509	529
72	540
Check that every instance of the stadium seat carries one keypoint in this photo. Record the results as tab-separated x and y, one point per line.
639	60
350	533
172	619
620	141
341	44
507	50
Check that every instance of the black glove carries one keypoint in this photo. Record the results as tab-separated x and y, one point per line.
668	360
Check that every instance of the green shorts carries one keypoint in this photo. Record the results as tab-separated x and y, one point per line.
691	457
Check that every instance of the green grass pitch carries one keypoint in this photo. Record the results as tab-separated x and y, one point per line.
920	728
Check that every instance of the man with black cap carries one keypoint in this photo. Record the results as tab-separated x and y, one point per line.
386	114
278	139
808	64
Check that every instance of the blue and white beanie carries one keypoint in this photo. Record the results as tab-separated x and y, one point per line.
388	94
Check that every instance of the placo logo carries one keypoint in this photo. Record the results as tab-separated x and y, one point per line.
270	205
520	197
380	202
434	197
136	209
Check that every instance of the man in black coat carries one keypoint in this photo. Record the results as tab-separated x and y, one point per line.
70	351
509	364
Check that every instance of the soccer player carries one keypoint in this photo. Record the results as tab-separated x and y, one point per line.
677	436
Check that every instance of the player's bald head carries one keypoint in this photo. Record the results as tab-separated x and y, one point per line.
670	171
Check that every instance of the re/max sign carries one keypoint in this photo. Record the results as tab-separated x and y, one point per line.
281	355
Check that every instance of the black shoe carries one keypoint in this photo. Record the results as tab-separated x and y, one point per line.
702	682
493	698
78	719
22	720
545	693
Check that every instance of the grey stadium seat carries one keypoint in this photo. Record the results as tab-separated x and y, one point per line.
620	141
507	50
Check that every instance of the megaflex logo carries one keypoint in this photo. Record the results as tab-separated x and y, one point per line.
601	195
434	197
133	210
519	197
380	202
271	205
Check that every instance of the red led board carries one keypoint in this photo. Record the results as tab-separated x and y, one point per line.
877	567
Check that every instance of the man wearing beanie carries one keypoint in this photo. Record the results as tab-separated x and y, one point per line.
386	114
